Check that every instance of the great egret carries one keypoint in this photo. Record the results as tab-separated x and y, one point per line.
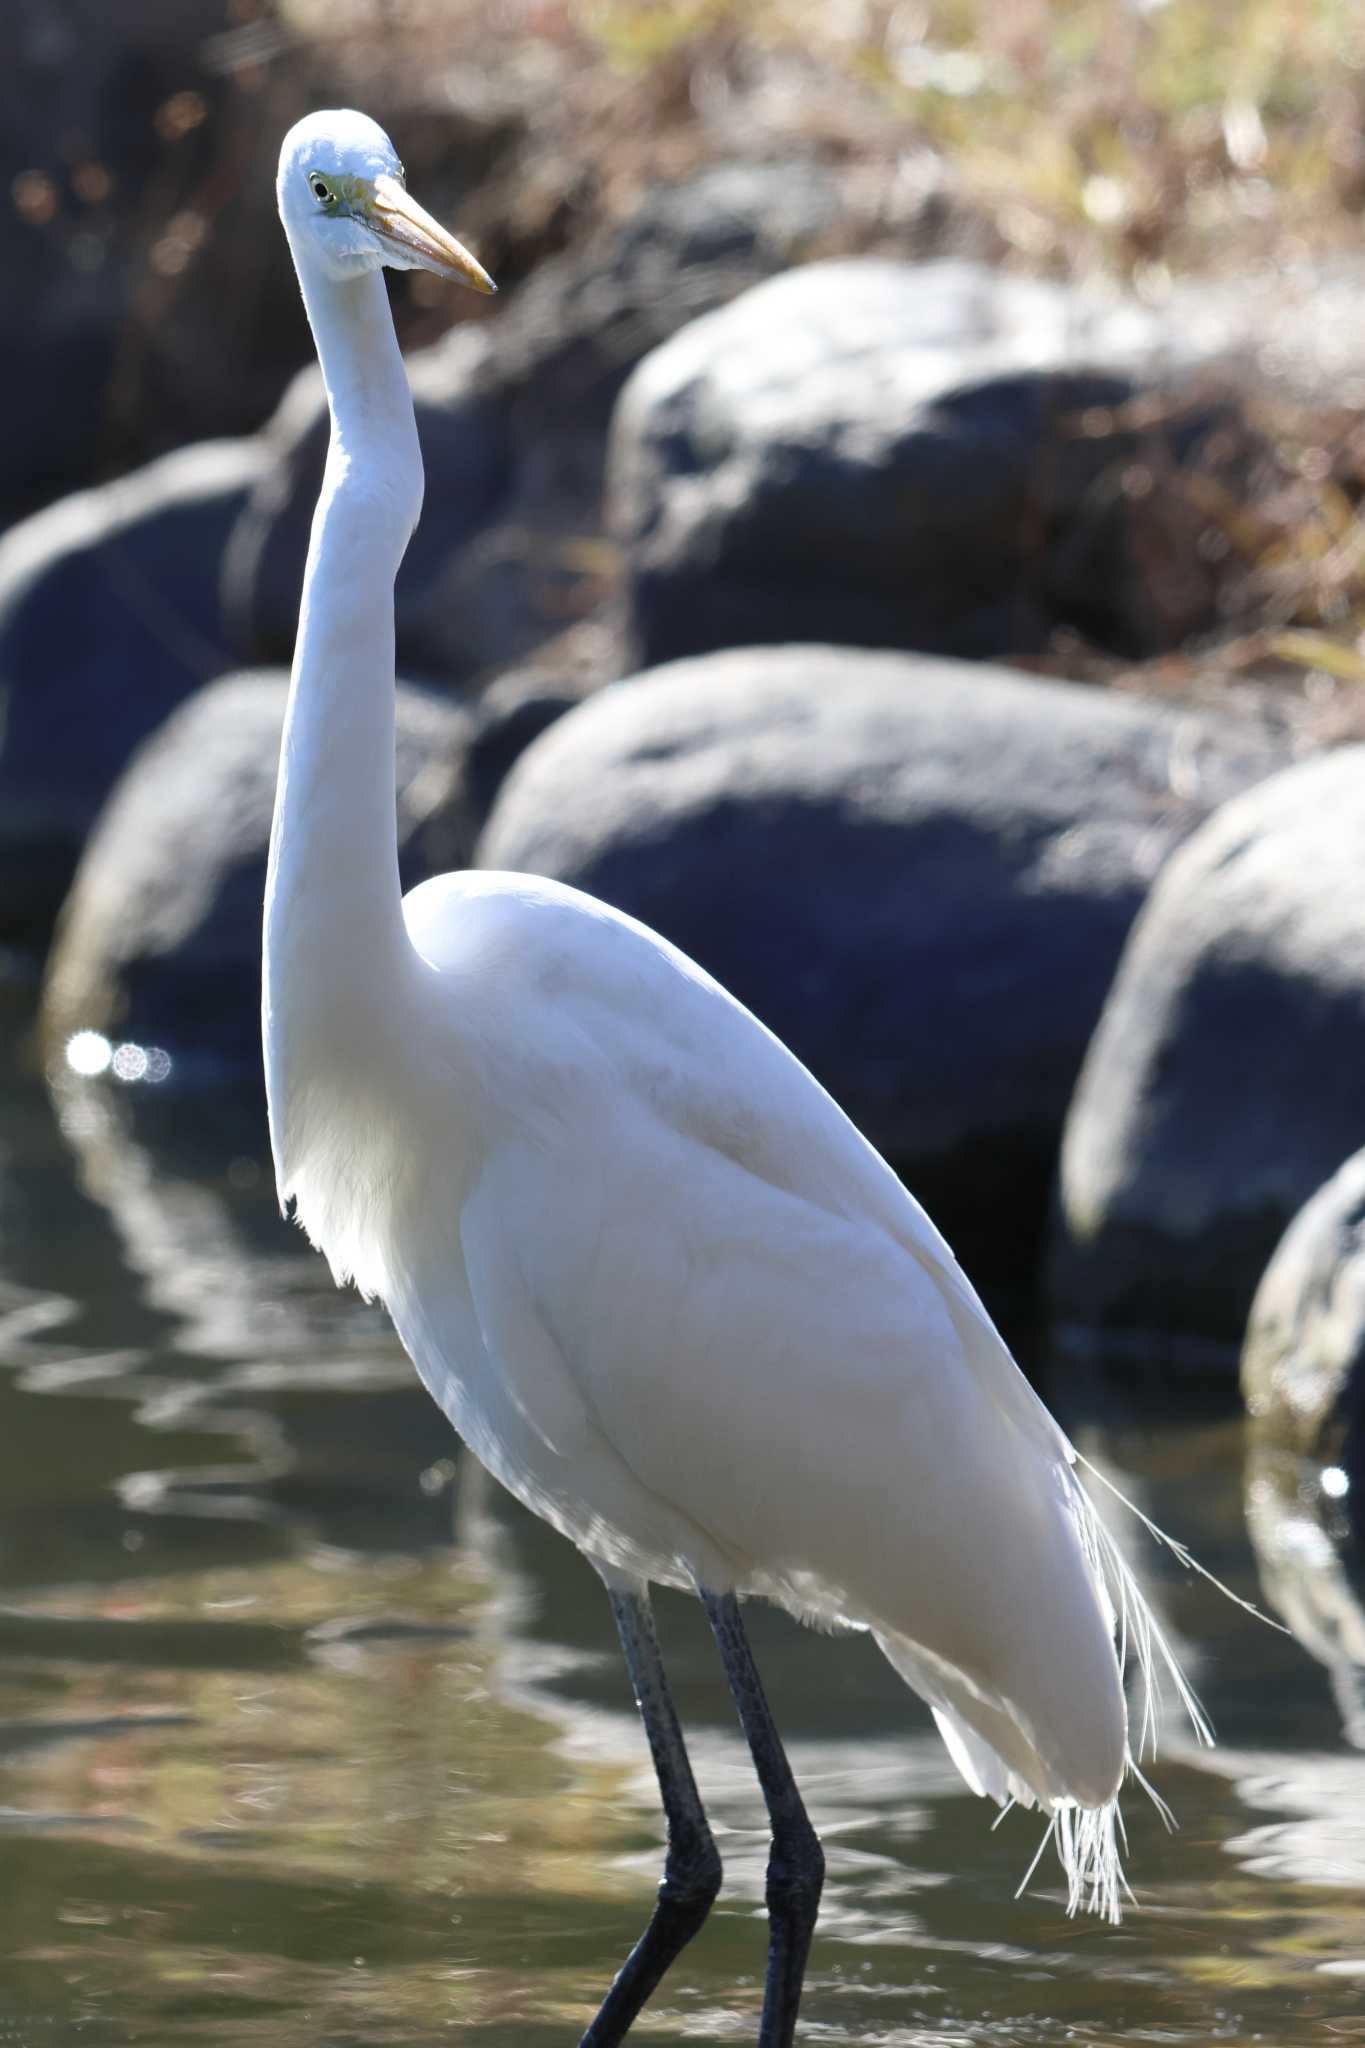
658	1282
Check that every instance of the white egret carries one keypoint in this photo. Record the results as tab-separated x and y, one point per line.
658	1282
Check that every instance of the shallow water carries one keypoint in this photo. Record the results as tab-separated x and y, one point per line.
309	1736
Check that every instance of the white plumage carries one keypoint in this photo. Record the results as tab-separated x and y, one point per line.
656	1279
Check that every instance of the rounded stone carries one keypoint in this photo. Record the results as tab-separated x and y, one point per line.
109	618
1303	1362
936	456
1225	1082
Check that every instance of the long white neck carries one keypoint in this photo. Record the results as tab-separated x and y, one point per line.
335	946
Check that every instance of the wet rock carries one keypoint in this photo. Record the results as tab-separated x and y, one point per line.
1303	1362
160	943
941	457
919	873
109	617
1225	1081
513	420
1309	1560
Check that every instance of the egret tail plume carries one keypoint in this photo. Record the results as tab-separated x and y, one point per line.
1002	1758
1182	1554
1089	1843
1141	1638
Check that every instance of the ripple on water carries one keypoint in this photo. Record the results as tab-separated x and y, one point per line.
305	1736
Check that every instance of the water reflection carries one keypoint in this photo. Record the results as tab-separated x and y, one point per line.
1311	1566
187	1186
304	1737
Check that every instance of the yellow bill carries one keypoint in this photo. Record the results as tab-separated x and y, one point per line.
394	215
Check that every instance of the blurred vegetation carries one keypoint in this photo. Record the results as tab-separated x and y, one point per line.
1155	146
1160	135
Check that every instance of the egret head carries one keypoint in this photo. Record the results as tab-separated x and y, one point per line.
345	204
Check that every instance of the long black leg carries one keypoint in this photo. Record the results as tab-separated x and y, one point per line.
796	1865
691	1876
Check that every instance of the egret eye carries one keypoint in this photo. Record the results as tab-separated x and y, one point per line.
321	190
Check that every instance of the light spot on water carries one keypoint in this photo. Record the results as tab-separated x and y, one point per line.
140	1063
88	1052
1335	1483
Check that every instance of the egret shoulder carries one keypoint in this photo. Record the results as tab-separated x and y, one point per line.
480	917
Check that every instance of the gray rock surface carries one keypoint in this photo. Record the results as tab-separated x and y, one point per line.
933	456
1226	1079
160	943
1303	1362
513	420
109	617
919	873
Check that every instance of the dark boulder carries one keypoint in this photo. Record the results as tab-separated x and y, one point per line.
940	457
160	943
1226	1080
1303	1380
109	617
919	873
513	419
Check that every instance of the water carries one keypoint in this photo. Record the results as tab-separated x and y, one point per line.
308	1737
